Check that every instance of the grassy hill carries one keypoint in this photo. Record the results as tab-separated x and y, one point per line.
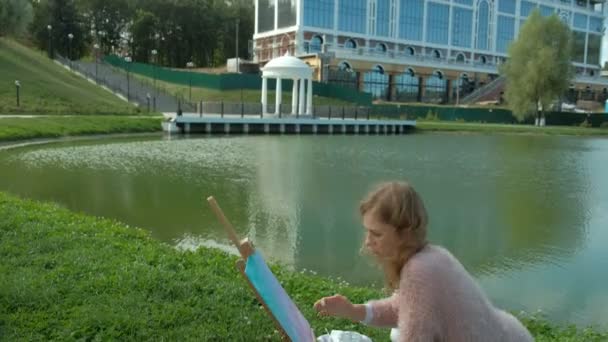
48	88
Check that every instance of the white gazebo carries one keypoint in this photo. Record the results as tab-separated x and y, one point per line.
288	67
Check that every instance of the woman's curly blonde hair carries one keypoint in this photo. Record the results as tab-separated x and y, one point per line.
398	205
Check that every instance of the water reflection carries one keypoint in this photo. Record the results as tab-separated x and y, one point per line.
523	213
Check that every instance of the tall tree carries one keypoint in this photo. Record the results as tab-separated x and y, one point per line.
15	16
538	70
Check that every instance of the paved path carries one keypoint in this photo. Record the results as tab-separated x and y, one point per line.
116	80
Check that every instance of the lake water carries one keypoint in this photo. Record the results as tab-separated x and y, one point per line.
527	215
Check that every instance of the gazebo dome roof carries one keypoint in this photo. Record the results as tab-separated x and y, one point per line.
287	67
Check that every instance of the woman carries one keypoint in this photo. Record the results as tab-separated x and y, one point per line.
435	298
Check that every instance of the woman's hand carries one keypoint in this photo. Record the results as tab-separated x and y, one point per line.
337	306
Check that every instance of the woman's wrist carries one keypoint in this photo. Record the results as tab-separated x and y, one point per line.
358	313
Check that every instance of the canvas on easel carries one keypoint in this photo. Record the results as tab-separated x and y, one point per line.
291	323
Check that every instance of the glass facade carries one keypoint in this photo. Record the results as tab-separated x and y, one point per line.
382	17
287	13
319	13
411	16
266	15
352	16
483	25
462	26
505	32
437	21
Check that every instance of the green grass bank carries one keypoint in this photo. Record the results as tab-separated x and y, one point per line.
68	276
12	129
48	88
423	126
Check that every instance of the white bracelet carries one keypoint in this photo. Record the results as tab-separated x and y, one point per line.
369	314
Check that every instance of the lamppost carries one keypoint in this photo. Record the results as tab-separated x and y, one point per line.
128	60
17	86
154	53
190	65
70	37
237	46
96	48
50	30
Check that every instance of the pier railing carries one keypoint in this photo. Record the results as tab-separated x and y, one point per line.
248	109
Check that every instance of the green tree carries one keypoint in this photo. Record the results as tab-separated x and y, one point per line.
538	70
15	16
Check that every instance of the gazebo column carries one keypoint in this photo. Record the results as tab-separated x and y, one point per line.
309	98
294	97
302	96
264	95
278	95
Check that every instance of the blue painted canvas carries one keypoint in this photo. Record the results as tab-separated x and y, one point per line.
277	300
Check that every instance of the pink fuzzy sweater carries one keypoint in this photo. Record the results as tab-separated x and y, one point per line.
438	300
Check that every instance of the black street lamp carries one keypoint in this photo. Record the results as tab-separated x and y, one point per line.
70	37
128	60
96	49
190	65
17	86
50	30
154	54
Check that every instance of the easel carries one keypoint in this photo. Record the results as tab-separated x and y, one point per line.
246	249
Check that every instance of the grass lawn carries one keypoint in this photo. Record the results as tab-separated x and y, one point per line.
67	276
59	126
47	88
451	126
247	95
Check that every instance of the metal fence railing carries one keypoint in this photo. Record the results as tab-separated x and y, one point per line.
244	109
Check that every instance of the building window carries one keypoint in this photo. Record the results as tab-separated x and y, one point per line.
483	25
343	76
596	24
319	13
546	11
352	16
406	86
580	21
578	48
437	22
287	13
410	51
350	44
436	88
505	32
460	58
344	66
376	83
526	8
483	60
506	6
594	43
381	48
316	44
410	19
266	15
382	17
462	26
436	54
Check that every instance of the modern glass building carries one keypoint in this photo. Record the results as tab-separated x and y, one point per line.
425	50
